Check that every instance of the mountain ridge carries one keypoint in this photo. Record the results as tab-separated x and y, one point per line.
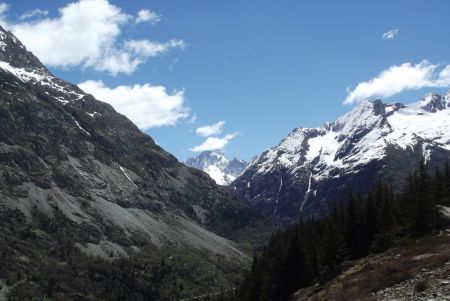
312	167
64	151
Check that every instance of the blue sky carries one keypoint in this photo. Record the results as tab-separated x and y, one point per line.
262	67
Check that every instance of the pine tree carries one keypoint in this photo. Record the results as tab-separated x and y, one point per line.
353	226
370	222
333	251
293	266
424	209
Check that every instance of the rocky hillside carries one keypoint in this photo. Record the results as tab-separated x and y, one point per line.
66	155
312	167
419	270
218	166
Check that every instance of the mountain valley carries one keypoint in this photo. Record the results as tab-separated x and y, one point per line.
93	206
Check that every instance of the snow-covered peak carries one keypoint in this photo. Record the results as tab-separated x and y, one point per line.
210	157
361	135
217	165
312	167
433	102
367	114
303	145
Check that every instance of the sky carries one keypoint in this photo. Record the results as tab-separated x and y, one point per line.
235	75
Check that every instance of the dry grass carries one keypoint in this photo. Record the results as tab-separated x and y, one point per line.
368	275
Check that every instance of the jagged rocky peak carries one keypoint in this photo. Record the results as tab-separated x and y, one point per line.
366	114
433	102
218	166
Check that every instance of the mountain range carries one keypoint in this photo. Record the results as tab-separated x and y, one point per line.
216	164
313	167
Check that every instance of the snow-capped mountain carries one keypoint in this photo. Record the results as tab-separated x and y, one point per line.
216	164
312	167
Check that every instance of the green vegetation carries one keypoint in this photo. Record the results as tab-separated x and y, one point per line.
315	251
38	265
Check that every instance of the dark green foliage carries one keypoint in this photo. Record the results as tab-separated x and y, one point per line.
314	251
418	200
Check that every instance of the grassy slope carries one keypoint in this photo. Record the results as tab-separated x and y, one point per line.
365	276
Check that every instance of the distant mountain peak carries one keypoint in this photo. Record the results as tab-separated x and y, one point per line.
218	166
433	102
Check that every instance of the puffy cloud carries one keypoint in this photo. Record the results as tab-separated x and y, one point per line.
145	15
210	130
87	33
214	143
146	105
397	79
390	35
34	13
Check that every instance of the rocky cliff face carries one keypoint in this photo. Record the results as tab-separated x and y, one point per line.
65	155
313	167
222	170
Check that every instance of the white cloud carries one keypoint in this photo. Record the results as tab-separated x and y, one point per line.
397	79
145	15
390	35
116	61
34	13
3	8
214	143
146	105
210	130
87	33
193	119
148	48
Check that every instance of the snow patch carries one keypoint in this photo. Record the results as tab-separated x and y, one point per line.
80	127
42	78
126	175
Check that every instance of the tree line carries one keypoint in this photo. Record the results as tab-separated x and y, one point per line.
314	250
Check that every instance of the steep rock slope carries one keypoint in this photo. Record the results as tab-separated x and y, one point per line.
65	155
312	167
217	165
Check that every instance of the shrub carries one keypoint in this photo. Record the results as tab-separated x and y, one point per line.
421	286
